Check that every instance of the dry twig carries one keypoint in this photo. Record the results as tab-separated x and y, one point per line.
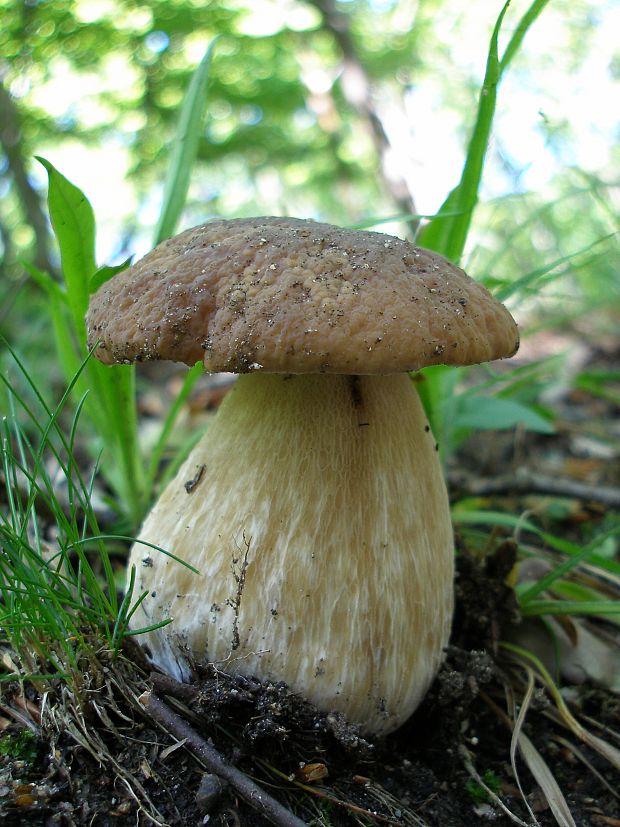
525	481
247	789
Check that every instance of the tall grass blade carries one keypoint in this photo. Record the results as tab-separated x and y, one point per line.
596	608
448	235
447	232
519	33
184	148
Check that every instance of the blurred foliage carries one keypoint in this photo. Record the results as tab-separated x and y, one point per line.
311	108
127	65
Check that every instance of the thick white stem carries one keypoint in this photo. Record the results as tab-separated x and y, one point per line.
316	512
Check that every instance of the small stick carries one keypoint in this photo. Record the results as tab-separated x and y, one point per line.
165	685
247	789
527	482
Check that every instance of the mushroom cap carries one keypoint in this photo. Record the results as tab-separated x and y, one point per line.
296	296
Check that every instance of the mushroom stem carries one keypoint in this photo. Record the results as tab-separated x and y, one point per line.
316	511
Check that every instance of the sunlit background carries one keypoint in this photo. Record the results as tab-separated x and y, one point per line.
344	111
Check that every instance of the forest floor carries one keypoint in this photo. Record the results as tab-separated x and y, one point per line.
448	766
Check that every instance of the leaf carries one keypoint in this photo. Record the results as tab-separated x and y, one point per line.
105	273
111	401
436	387
546	781
497	413
74	225
184	149
57	309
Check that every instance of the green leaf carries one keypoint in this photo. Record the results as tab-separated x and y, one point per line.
184	149
521	30
74	225
468	513
105	273
111	399
496	413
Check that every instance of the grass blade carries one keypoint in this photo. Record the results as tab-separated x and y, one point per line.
602	608
105	273
532	280
57	596
516	40
184	149
546	781
608	751
448	235
582	555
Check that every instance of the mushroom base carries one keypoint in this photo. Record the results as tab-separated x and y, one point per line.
316	511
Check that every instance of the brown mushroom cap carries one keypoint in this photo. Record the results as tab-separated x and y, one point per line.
296	296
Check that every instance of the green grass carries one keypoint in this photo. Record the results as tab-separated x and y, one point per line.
563	590
477	793
447	234
53	600
60	608
21	746
59	604
184	149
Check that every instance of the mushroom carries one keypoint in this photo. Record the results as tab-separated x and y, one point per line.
314	506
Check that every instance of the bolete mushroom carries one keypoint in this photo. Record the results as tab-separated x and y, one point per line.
314	506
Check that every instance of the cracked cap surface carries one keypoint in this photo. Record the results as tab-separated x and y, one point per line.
295	296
